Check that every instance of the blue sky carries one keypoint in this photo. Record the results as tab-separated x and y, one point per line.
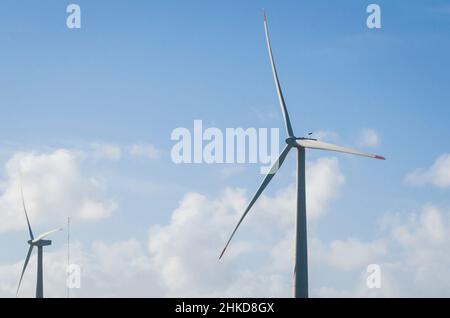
137	70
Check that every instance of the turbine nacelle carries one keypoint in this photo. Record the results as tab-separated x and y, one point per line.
293	141
40	243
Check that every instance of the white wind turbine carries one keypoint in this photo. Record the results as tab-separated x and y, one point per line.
38	242
301	249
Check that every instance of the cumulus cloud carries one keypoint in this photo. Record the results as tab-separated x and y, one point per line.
54	187
437	175
411	250
369	138
324	181
185	252
180	258
412	254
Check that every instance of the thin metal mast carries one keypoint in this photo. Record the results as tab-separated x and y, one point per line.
68	258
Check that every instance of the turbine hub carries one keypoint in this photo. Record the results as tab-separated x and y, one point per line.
291	141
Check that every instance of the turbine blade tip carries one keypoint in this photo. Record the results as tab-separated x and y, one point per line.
380	157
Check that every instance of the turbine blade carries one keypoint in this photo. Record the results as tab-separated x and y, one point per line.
261	189
287	121
26	214
24	267
44	235
314	144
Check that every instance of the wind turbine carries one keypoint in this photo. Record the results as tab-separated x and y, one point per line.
38	242
301	144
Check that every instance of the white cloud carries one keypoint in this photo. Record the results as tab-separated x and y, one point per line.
54	187
438	174
181	258
429	227
324	180
412	254
369	138
145	151
185	252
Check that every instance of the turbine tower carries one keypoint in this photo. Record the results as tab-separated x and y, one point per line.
300	144
38	242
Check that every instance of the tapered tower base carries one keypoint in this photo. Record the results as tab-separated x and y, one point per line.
40	274
301	240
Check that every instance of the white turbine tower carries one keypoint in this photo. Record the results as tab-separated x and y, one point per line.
301	251
38	242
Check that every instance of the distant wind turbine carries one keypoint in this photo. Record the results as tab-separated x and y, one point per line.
39	242
301	249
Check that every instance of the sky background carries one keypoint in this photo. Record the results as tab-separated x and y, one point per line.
87	115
